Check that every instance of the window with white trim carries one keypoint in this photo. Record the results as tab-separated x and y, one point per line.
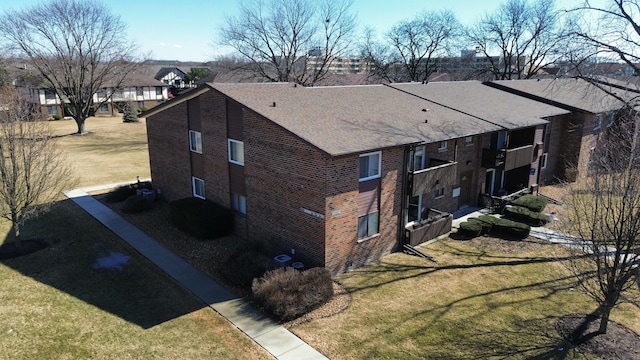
239	203
368	225
52	110
236	152
442	146
370	166
439	193
543	161
468	140
195	141
158	90
198	187
104	108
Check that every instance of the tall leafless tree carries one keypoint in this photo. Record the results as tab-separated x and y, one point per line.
610	33
290	40
78	47
526	36
604	211
32	170
407	51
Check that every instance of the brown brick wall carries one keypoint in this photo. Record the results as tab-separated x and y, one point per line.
344	250
168	138
563	147
284	175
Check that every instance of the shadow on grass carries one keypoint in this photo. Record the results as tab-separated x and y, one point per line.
129	287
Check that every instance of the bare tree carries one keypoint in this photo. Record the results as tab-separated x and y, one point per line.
290	40
608	33
77	46
379	58
604	211
33	171
417	41
527	36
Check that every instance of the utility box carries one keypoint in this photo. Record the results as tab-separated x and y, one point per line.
282	260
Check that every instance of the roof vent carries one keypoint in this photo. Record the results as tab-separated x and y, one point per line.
274	104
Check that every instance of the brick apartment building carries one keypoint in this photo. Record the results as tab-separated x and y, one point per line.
344	175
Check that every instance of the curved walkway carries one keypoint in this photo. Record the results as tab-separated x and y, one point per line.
277	340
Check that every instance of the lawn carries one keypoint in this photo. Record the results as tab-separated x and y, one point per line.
475	303
56	304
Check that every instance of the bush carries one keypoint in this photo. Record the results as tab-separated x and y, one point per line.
470	229
531	202
57	117
124	192
288	293
201	218
141	110
486	227
506	227
136	204
130	113
519	213
248	262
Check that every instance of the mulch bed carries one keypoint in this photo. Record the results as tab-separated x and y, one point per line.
619	343
11	250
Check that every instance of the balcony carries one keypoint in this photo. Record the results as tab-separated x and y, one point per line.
508	158
437	223
439	174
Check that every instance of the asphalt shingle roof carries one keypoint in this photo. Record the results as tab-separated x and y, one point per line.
575	93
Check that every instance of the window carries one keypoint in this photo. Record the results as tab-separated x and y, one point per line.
468	140
442	146
195	141
239	203
439	193
140	104
198	187
418	158
49	94
543	161
236	152
158	90
52	110
104	108
118	94
367	225
139	92
370	166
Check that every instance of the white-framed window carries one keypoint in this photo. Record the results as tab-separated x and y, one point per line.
370	165
442	146
368	225
140	104
236	152
239	203
543	161
439	193
52	110
195	141
139	91
416	206
418	158
49	94
158	90
468	140
104	107
198	187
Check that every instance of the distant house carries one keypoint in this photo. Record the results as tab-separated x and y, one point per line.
346	174
173	76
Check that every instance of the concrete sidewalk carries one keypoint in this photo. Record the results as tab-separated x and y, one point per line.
277	340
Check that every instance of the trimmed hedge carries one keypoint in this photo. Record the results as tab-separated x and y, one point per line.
531	202
201	218
247	262
519	213
287	293
486	226
506	227
470	228
136	204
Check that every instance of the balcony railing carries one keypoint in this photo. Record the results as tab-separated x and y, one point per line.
440	174
508	158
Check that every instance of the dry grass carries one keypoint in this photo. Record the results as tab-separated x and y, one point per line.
475	303
55	305
111	151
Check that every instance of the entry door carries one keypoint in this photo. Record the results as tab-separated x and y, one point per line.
490	181
466	189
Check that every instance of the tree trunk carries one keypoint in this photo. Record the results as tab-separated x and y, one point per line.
604	319
80	123
15	230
